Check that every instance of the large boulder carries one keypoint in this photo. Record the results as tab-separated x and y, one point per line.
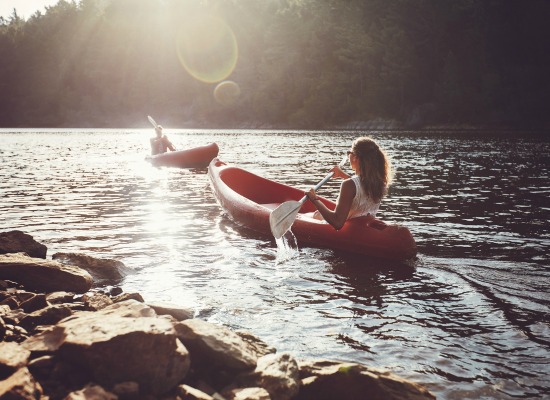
215	346
328	380
42	275
20	242
113	348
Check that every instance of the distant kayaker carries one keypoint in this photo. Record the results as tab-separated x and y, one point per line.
160	143
361	194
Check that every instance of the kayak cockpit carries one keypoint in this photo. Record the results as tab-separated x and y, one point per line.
257	189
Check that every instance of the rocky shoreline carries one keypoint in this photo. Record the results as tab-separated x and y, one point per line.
67	331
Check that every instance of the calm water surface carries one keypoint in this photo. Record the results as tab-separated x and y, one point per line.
470	319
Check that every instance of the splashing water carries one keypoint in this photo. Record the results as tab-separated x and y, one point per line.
287	247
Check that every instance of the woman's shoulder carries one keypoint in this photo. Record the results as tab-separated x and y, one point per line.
354	180
348	181
348	185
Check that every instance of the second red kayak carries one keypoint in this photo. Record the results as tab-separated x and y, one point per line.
196	157
249	200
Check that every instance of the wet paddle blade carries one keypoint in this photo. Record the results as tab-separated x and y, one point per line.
282	218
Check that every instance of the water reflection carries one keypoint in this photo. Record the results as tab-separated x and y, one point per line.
469	317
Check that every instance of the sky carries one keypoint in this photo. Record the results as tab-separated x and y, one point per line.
25	8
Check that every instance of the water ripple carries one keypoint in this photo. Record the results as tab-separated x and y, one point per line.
469	318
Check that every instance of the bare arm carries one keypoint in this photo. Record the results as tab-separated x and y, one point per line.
169	144
339	173
339	215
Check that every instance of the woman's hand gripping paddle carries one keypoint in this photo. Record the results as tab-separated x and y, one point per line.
282	218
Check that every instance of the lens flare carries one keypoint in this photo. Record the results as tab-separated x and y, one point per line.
227	93
207	48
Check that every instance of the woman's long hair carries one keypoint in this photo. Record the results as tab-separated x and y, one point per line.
375	170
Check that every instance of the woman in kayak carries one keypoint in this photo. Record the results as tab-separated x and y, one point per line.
160	143
361	194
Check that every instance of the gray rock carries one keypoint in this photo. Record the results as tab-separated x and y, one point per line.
96	301
213	345
115	291
15	333
20	242
11	316
21	386
253	393
190	393
179	313
44	276
34	303
12	357
91	392
41	365
102	270
10	302
279	375
128	296
126	390
257	345
129	309
60	297
328	380
114	349
50	315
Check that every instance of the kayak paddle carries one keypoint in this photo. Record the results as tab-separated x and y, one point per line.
152	121
282	218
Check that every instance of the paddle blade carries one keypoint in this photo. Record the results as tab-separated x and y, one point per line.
282	218
152	121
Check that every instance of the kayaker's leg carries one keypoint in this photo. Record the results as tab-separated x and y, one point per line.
314	215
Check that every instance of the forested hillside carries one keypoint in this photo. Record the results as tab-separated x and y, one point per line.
293	63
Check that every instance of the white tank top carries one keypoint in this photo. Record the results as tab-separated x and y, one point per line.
361	204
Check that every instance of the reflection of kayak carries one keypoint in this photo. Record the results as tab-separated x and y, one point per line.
197	157
249	200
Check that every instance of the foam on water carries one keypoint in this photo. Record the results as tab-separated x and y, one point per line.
287	248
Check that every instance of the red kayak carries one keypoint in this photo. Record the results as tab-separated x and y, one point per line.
197	157
249	200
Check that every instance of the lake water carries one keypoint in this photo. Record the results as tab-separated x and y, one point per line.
470	319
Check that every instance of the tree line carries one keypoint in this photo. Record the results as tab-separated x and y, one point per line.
291	63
